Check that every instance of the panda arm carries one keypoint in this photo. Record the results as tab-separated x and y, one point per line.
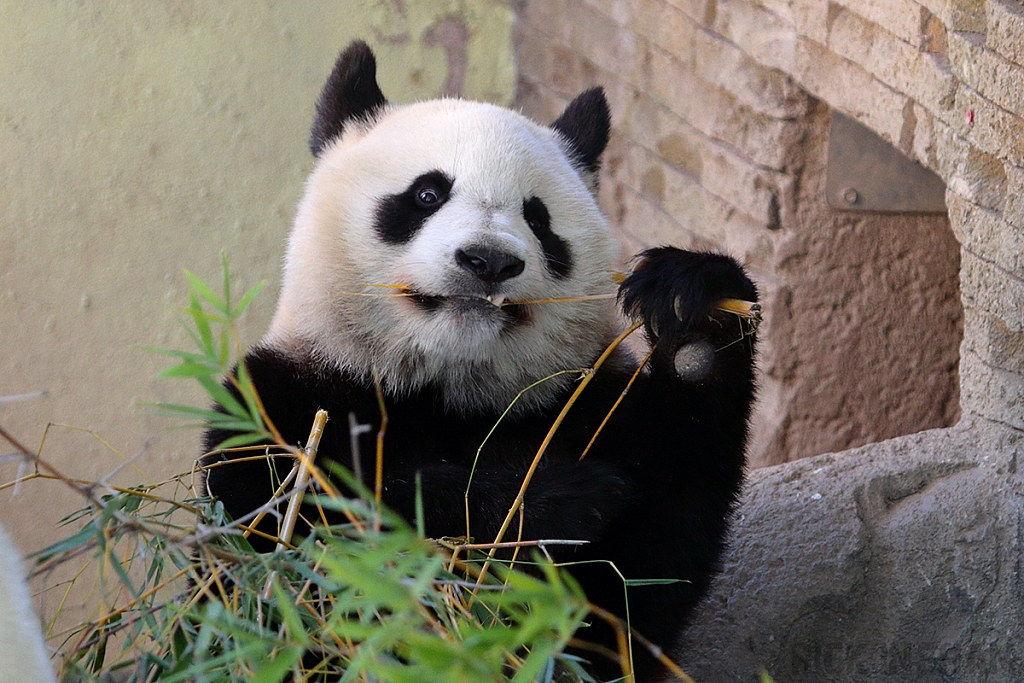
679	436
564	500
684	423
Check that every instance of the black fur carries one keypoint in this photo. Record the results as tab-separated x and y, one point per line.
654	494
351	93
557	256
400	216
585	124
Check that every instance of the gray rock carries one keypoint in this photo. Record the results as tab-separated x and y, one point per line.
899	561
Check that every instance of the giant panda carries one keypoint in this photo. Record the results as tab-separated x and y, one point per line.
474	211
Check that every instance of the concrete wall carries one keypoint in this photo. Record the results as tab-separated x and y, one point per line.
141	138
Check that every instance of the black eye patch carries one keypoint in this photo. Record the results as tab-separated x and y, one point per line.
399	216
557	256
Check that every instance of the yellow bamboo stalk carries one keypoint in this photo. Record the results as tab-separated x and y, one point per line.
547	441
291	515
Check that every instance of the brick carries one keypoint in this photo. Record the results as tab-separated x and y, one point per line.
979	178
966	15
735	184
989	287
991	392
760	139
984	233
902	18
667	27
924	149
1013	207
925	77
940	8
997	79
765	90
810	17
616	10
716	113
1004	21
648	225
849	88
949	148
531	52
540	102
601	40
548	17
783	9
695	9
991	128
993	342
933	33
764	35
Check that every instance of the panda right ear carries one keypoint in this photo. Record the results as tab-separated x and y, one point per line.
585	126
351	93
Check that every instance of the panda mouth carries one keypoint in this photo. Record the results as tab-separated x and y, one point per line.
490	305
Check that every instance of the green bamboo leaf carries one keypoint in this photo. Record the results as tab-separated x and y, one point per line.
223	397
247	298
653	582
224	354
204	291
190	411
84	535
227	282
202	322
245	440
190	369
290	614
248	391
276	669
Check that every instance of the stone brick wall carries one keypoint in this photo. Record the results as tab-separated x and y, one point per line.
721	114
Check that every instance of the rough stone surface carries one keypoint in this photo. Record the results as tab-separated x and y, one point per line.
895	562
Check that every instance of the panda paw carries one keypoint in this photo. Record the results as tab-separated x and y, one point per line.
677	293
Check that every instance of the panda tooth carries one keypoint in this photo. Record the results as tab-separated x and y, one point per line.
496	299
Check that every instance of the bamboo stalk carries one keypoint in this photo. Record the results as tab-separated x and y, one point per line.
547	441
744	309
291	515
629	385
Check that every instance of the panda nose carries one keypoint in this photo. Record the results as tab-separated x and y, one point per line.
489	265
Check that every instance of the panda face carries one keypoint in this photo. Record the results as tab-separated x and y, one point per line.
425	244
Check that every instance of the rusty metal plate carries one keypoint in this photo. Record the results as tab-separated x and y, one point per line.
866	173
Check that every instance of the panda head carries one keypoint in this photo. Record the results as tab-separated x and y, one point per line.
425	229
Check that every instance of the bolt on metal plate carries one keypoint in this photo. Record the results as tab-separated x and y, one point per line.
866	173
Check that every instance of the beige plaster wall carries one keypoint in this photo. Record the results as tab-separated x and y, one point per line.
140	138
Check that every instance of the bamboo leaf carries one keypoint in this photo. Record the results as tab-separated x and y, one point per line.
223	397
202	322
244	440
204	291
247	298
190	369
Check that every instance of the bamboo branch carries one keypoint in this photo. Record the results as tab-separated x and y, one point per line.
291	516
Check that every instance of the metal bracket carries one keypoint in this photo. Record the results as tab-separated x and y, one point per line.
866	173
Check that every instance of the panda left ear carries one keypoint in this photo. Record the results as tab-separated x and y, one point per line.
585	125
351	93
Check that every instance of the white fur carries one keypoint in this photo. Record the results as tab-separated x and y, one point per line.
23	655
498	159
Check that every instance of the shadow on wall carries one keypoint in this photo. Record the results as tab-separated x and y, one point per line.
865	323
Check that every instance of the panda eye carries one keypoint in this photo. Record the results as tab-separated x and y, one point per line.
427	197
